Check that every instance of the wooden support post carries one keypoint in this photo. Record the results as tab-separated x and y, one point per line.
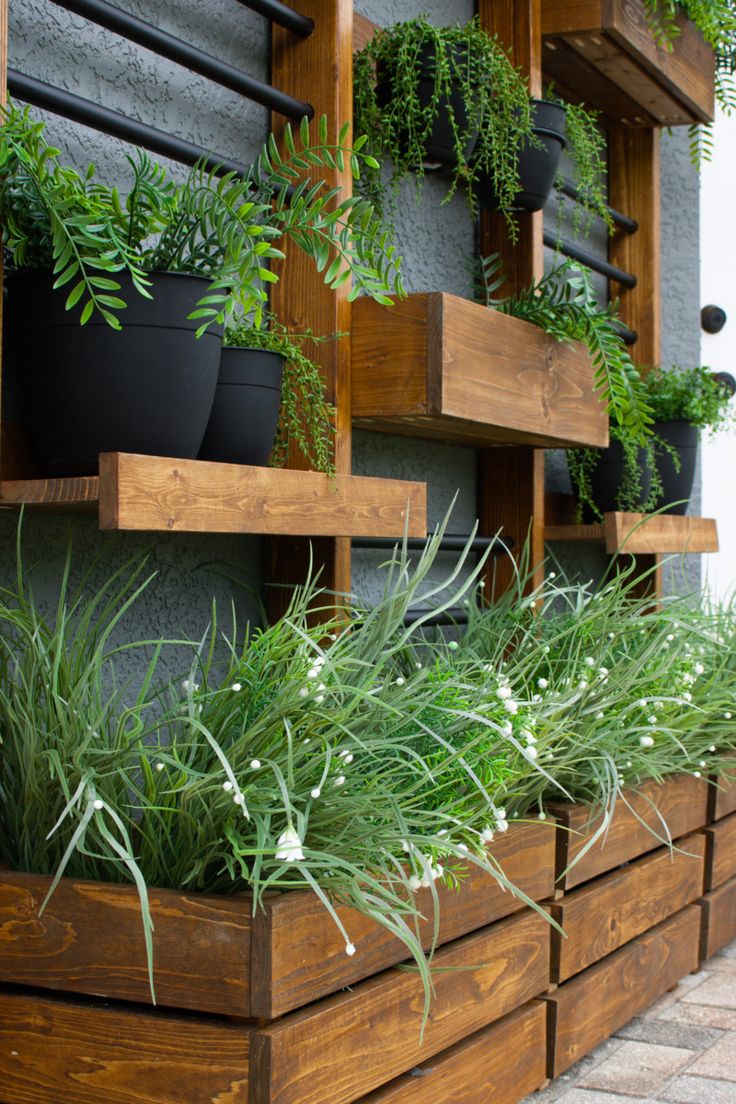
318	69
511	481
634	187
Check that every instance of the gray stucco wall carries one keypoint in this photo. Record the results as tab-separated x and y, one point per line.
436	241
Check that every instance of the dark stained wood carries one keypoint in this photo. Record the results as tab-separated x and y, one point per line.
89	939
511	502
363	31
579	80
722	797
721	852
168	495
471	375
719	919
299	954
674	86
498	1065
63	1052
639	824
610	911
590	1007
339	1049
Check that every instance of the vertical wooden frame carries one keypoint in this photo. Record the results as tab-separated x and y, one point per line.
511	480
3	100
318	69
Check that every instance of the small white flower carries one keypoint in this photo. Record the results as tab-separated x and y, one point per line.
541	816
236	687
652	720
712	747
702	763
504	692
582	685
463	847
628	762
339	781
511	706
159	766
437	871
238	799
407	847
418	666
332	636
255	764
227	786
602	671
321	686
552	575
642	703
699	669
542	683
304	692
665	643
589	661
528	736
545	649
290	846
99	804
611	635
599	716
508	729
415	883
486	835
315	793
670	636
452	645
319	699
502	825
646	741
306	740
536	697
696	774
727	716
313	672
530	752
687	696
482	584
399	681
350	949
188	685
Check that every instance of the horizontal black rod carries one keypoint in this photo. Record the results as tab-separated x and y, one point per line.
166	45
73	107
628	225
300	25
451	542
577	253
452	616
629	337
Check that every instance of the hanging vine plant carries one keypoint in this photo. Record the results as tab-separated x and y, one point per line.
413	80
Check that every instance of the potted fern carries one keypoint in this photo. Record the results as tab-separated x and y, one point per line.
175	261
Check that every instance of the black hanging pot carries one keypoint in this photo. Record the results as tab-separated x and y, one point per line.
677	486
245	413
537	166
439	148
608	475
146	388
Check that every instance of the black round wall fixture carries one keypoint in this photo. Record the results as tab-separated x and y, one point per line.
713	318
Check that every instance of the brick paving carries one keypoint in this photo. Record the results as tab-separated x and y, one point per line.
682	1050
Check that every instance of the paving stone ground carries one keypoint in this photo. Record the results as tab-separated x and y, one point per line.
682	1050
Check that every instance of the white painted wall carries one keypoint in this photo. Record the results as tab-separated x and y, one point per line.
718	285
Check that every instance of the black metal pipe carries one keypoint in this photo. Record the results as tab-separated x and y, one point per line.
453	616
629	337
451	542
298	24
577	253
628	225
168	46
112	122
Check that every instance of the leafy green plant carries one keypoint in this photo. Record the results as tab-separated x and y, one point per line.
695	395
563	303
638	456
306	418
222	227
388	108
586	149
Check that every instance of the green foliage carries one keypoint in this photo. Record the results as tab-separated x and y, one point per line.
306	418
564	305
587	150
494	96
637	457
693	395
221	227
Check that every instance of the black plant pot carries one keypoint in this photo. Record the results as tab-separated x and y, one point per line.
537	167
439	149
677	486
607	477
147	388
245	413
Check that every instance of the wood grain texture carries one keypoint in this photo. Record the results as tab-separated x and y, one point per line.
722	797
63	1052
590	1007
339	1049
634	187
642	534
89	939
675	86
363	31
610	911
83	490
499	1064
511	502
299	955
478	374
641	821
168	495
578	80
719	919
721	852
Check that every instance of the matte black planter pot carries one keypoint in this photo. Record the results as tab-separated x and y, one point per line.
439	148
677	486
537	167
607	477
147	388
245	413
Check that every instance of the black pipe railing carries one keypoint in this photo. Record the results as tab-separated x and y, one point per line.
451	542
590	260
623	222
168	46
455	615
298	24
629	337
89	114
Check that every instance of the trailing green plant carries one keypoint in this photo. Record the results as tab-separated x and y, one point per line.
221	226
695	395
564	304
388	109
586	149
306	418
638	457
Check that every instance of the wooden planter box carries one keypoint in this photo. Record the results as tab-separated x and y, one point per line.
636	827
722	795
720	863
603	52
719	919
438	366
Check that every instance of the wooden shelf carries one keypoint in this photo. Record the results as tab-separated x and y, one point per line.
159	494
602	51
643	534
438	366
